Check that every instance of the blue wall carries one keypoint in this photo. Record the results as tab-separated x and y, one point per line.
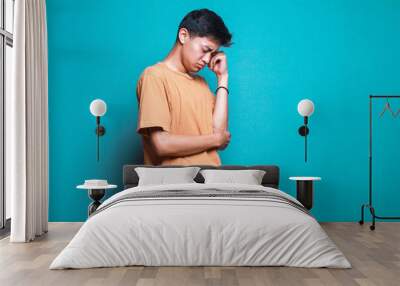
333	52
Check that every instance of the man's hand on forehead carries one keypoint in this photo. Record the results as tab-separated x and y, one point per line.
218	64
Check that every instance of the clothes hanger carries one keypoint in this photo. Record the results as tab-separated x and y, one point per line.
397	113
387	107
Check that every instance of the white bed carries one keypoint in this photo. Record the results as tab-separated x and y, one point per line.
268	228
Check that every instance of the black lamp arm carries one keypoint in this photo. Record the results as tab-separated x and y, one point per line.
100	131
304	131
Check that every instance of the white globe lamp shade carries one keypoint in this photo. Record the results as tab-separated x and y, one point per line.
305	107
98	107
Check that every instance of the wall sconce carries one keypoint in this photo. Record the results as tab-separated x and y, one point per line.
305	109
98	108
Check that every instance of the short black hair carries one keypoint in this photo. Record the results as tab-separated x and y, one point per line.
206	23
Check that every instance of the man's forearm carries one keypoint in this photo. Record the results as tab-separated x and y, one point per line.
171	145
220	115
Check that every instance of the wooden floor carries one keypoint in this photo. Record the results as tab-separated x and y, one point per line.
375	257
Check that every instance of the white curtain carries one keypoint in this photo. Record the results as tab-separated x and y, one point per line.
27	124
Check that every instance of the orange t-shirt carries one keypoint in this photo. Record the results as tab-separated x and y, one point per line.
178	103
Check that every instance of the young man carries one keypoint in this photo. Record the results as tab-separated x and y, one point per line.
180	119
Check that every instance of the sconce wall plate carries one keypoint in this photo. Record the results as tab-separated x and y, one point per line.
304	131
100	130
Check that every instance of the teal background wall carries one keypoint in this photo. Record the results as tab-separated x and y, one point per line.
334	52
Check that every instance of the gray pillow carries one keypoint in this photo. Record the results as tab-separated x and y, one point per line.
162	176
249	177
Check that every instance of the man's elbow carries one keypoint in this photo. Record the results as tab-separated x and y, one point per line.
160	144
161	150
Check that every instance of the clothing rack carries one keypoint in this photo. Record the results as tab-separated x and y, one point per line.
369	205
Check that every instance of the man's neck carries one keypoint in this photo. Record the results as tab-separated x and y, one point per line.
174	60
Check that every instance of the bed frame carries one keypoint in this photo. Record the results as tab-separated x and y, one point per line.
271	178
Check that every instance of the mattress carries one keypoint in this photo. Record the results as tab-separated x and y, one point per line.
201	225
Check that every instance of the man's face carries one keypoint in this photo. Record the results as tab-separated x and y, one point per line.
197	51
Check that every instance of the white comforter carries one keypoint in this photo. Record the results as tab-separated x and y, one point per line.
200	231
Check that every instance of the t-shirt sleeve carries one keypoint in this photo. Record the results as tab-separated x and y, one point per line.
153	104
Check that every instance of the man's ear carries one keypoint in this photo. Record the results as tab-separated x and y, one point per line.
183	35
